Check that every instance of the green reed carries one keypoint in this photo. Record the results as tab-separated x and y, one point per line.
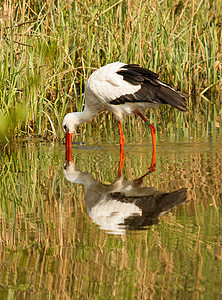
48	50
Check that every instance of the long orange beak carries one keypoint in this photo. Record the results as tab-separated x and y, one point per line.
69	146
69	140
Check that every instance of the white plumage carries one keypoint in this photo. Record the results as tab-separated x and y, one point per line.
105	85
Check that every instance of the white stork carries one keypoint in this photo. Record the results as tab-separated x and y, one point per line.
123	89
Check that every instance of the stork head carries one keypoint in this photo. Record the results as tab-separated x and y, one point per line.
73	120
69	124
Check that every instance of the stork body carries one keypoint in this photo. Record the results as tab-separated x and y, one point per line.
123	89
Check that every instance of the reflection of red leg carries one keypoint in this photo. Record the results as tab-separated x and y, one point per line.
153	164
122	139
69	147
121	162
152	168
152	129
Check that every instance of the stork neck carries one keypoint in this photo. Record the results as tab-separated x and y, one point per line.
85	116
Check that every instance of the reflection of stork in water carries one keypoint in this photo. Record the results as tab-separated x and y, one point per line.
123	205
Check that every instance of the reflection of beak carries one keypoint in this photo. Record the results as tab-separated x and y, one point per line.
69	140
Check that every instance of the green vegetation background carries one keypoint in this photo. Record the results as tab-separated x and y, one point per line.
49	48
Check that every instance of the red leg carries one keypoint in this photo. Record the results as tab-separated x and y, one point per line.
122	139
122	153
152	129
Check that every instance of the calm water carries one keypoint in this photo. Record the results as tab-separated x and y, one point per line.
78	230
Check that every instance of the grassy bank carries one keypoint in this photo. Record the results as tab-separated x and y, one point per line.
49	48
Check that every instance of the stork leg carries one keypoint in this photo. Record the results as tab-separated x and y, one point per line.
153	131
122	152
122	138
152	128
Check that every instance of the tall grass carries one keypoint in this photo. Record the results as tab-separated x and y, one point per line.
49	48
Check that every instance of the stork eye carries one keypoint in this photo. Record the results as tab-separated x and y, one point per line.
65	128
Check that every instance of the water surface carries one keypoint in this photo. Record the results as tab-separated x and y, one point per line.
79	230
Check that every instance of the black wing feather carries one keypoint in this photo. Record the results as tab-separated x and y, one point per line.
153	90
140	70
131	76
